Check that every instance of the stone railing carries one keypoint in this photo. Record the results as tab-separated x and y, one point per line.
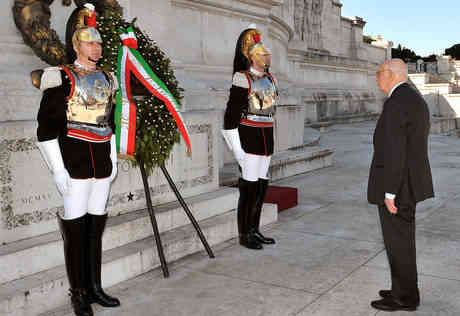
326	59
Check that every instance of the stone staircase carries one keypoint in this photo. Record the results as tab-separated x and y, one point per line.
33	279
301	159
324	125
442	94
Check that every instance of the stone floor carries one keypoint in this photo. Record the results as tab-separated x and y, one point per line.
329	258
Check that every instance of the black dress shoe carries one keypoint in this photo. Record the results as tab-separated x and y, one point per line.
262	239
250	242
385	293
98	296
390	305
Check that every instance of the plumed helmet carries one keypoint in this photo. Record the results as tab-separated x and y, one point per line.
249	45
81	27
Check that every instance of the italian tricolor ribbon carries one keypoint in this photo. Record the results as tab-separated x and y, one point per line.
130	61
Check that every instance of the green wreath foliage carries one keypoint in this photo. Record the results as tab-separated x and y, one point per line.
156	130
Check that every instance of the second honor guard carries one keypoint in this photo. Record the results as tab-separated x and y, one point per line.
248	131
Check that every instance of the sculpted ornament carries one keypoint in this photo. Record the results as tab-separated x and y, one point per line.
316	25
299	18
33	20
302	26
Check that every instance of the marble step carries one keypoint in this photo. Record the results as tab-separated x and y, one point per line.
323	126
293	162
46	291
311	137
15	258
285	164
443	125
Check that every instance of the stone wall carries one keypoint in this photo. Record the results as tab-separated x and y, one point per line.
327	68
323	68
29	199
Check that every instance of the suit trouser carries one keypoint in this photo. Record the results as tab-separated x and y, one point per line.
399	239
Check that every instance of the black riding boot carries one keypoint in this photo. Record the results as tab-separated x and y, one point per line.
96	225
246	204
255	221
73	233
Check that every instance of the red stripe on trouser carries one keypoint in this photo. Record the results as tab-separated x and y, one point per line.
265	143
92	160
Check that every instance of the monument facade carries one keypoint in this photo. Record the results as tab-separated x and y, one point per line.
324	69
438	82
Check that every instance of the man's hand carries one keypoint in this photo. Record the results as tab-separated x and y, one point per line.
390	204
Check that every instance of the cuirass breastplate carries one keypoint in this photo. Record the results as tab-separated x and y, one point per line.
90	104
262	96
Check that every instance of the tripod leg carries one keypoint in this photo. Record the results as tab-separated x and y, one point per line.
153	220
188	212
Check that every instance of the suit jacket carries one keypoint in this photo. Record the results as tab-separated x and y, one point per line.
400	163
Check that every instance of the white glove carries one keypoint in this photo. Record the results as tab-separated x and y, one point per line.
232	138
51	153
113	157
62	179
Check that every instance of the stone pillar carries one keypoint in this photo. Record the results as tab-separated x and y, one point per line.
444	64
356	36
388	45
290	120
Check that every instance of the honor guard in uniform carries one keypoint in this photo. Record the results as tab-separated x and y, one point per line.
248	131
75	137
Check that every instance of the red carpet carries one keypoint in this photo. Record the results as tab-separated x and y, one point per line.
284	197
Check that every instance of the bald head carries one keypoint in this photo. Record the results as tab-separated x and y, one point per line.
397	67
390	74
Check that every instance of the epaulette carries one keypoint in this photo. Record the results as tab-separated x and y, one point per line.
50	78
240	79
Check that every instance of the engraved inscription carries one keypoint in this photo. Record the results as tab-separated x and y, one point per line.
28	196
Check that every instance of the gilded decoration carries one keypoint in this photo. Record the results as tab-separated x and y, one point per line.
33	20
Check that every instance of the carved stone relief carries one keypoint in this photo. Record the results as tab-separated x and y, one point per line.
316	27
307	22
300	25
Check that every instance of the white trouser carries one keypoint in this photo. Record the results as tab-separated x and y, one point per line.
255	167
86	196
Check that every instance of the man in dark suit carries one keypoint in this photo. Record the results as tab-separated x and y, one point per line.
400	177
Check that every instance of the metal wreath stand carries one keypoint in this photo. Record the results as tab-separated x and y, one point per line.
156	232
